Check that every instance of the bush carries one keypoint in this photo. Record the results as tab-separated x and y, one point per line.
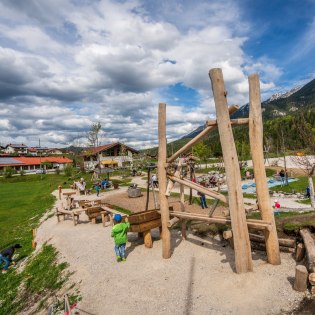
57	171
22	172
8	172
68	170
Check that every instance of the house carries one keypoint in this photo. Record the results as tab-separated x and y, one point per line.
54	152
108	156
37	151
30	164
16	148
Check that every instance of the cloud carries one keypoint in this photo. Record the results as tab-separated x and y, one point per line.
109	61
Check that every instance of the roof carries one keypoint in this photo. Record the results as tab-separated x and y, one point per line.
22	145
94	150
38	160
7	161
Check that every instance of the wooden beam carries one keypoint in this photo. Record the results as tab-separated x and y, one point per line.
199	188
165	216
282	241
182	209
253	224
172	221
243	258
203	133
234	122
171	183
256	144
309	244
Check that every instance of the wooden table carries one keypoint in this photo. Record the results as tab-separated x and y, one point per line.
68	198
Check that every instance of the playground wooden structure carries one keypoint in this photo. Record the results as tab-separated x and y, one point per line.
234	200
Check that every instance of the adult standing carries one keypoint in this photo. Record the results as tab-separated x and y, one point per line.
282	177
155	182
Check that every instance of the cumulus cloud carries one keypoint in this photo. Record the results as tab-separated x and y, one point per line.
109	61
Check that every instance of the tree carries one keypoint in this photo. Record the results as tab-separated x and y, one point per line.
306	161
93	134
202	151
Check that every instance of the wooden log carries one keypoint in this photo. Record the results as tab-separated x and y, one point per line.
234	122
243	258
171	183
256	144
172	221
165	216
262	246
227	234
300	252
309	244
301	274
147	239
254	224
232	109
282	241
311	278
199	188
182	209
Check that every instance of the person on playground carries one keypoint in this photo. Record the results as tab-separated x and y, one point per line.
277	206
282	177
97	188
119	233
6	257
155	182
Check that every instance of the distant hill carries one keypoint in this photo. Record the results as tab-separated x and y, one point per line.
295	100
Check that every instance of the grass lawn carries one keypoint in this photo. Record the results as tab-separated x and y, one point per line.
24	199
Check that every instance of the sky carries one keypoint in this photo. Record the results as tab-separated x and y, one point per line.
67	64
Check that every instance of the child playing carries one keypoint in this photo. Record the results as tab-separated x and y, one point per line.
277	206
6	257
119	233
97	188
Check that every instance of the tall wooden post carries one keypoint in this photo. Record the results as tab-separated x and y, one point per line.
256	144
165	215
182	209
243	258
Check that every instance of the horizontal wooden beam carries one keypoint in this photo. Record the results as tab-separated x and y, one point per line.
254	224
203	133
199	188
234	122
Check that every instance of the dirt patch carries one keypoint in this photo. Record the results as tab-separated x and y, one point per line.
138	204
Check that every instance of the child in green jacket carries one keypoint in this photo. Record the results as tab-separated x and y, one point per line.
119	233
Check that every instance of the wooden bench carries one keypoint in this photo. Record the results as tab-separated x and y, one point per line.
98	212
69	213
143	222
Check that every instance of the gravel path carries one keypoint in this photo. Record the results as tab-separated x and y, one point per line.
199	278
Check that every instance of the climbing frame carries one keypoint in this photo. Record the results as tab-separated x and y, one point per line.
234	200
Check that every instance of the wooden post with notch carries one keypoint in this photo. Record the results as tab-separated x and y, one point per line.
256	145
243	258
165	215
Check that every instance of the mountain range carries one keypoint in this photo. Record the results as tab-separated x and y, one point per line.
296	100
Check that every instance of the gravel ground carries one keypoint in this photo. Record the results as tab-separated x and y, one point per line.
199	278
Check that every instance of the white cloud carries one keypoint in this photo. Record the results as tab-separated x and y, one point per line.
106	61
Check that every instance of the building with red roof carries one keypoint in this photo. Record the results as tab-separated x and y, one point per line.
29	164
109	155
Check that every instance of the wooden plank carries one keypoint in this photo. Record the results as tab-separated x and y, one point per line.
202	134
259	225
145	226
182	209
165	216
262	191
243	258
234	122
